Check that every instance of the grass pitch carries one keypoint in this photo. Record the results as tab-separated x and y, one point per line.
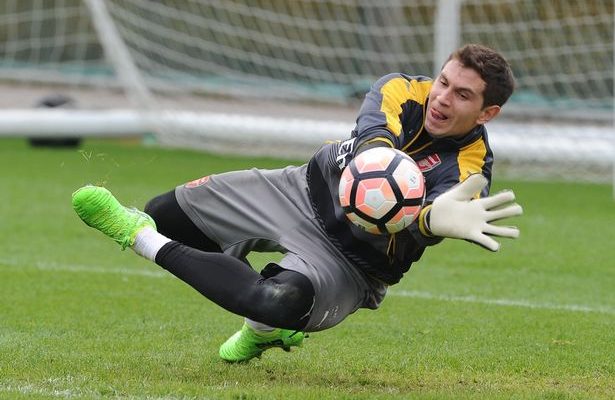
81	319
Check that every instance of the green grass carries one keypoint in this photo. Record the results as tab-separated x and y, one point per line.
81	319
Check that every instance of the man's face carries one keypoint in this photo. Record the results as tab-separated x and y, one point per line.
456	102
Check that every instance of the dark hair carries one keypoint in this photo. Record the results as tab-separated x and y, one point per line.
492	68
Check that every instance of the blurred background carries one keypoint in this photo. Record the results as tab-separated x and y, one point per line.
279	77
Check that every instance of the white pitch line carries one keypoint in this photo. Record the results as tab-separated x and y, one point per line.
580	308
53	266
31	389
503	302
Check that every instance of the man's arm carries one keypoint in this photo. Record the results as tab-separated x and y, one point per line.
386	107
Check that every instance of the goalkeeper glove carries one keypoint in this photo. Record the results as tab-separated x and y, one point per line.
456	214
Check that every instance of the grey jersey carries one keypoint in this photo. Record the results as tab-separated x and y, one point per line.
393	114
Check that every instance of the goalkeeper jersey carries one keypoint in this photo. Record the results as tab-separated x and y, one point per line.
393	114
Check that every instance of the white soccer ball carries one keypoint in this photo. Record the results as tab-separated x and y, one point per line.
382	190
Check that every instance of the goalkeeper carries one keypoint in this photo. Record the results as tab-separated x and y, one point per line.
202	231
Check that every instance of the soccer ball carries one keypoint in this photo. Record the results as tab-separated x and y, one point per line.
382	190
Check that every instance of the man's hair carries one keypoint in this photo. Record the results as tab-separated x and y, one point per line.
492	68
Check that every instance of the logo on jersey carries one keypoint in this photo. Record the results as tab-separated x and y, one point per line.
197	182
428	163
344	153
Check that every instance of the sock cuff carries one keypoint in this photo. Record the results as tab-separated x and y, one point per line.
148	242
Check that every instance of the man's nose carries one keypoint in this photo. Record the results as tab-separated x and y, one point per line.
445	97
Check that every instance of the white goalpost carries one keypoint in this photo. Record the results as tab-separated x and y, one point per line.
280	77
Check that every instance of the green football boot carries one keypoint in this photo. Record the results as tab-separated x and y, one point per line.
248	343
98	208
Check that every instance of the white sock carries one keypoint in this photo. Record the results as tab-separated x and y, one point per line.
257	326
148	242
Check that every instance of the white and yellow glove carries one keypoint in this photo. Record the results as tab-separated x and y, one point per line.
457	214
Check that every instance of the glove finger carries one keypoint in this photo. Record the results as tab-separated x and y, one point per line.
467	189
511	210
503	231
498	199
485	241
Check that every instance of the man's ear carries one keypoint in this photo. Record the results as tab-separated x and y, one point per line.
487	114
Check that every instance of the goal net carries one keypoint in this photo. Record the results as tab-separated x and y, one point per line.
279	77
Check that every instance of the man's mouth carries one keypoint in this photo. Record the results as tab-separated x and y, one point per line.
438	116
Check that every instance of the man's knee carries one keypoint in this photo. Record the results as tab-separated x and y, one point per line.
287	298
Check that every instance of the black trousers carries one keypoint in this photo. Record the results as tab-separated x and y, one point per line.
276	296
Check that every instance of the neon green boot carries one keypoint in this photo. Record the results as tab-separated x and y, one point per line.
98	208
248	343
